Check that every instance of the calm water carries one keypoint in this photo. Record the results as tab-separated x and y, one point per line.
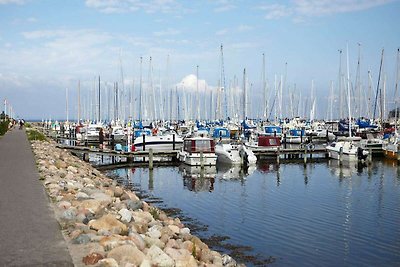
321	215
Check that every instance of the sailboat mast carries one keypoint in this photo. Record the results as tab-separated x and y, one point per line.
264	88
244	94
66	102
377	87
99	117
396	86
348	89
197	93
358	80
340	86
140	90
79	101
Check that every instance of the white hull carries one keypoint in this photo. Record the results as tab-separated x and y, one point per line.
345	151
226	153
158	143
194	159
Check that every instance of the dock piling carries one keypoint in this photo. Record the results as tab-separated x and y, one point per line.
150	158
201	160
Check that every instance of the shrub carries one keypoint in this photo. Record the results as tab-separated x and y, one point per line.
35	135
4	127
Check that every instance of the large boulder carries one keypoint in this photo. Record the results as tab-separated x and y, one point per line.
110	223
127	254
159	257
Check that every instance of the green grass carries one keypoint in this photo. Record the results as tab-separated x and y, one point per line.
35	135
4	127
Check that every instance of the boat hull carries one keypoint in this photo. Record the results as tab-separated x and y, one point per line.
195	159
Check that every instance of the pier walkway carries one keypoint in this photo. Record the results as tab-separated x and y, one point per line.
29	232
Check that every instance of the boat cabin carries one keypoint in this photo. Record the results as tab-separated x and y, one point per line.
297	132
140	132
269	141
272	130
197	145
221	132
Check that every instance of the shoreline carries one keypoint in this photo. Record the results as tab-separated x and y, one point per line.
105	224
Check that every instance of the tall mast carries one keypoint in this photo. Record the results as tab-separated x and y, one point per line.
66	102
197	93
140	90
358	80
223	85
79	101
348	89
369	93
265	104
99	117
396	86
378	91
340	86
244	95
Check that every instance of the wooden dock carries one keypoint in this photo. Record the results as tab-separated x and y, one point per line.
147	158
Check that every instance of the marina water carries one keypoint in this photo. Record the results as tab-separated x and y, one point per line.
322	214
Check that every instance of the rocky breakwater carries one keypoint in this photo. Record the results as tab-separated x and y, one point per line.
105	224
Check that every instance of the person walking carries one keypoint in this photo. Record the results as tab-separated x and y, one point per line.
101	138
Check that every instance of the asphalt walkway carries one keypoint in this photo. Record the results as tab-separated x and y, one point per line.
29	232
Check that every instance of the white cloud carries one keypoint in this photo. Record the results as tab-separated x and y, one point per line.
222	32
224	5
17	2
244	28
167	32
124	6
189	83
314	8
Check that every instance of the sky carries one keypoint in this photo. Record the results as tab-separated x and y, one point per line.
47	46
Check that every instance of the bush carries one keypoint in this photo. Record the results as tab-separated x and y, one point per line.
4	127
35	135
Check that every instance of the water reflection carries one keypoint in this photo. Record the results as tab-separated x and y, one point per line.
198	179
324	212
345	169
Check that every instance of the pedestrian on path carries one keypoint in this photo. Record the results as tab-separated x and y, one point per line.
101	138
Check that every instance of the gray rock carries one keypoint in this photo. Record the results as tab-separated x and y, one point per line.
81	239
134	204
81	195
159	257
126	215
69	214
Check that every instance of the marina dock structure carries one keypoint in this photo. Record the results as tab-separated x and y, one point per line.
151	158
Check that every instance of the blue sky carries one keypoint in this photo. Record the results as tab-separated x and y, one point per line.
46	46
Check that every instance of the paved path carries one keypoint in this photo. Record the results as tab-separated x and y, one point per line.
29	232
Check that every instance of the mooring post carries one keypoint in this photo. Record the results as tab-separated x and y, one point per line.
278	152
370	156
173	142
202	160
150	158
305	155
284	139
301	135
144	142
341	156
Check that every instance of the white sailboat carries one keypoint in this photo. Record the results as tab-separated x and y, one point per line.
346	150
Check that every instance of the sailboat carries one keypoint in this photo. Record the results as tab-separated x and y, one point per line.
392	149
346	150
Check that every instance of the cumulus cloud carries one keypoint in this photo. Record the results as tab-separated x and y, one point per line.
312	8
189	83
124	6
17	2
224	5
167	32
